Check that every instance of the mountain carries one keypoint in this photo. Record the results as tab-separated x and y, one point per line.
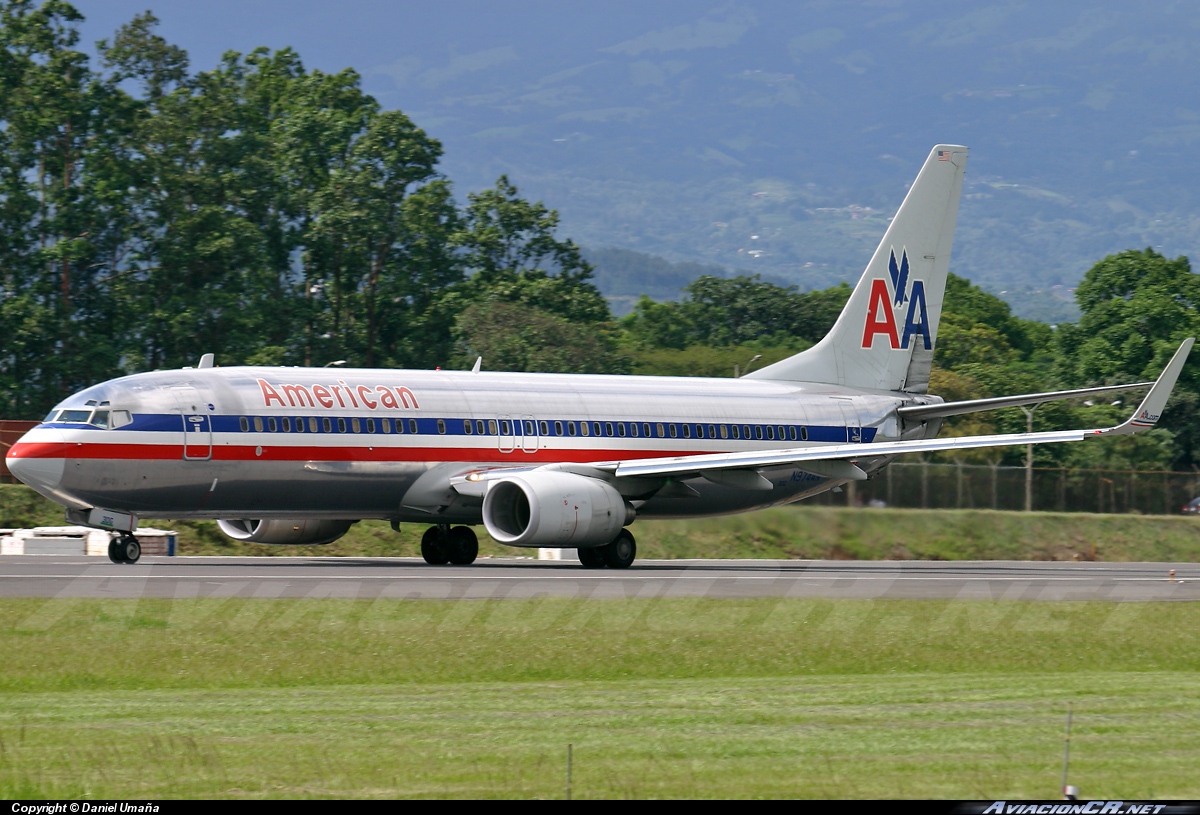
777	136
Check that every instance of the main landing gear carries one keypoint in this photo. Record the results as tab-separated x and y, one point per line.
616	555
444	544
124	549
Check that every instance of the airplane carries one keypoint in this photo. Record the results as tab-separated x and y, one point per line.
289	455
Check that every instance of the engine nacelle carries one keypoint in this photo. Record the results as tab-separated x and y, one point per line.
554	509
284	532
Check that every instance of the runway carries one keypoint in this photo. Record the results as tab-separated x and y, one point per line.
51	576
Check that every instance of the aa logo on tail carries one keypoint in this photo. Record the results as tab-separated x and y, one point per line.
886	305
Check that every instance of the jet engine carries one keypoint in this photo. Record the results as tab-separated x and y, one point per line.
554	509
284	532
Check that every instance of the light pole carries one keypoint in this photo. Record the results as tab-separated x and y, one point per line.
737	374
1028	411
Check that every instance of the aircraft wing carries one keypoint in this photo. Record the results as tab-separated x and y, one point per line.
836	461
1143	418
942	409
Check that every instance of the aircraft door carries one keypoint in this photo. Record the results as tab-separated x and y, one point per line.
195	410
529	434
853	422
505	438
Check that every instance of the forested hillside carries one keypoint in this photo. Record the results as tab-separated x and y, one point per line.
274	214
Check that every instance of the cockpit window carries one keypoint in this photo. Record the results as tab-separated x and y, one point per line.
120	418
100	419
78	416
50	418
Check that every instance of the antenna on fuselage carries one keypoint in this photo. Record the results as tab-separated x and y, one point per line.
206	361
478	364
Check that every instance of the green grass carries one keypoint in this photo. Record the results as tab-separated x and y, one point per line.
667	697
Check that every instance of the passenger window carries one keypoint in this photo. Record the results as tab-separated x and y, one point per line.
492	426
661	430
385	425
699	431
412	425
781	432
687	431
736	432
120	418
570	428
608	429
595	428
558	428
272	425
341	425
244	424
479	426
621	428
299	424
528	427
326	425
544	427
674	433
258	424
441	427
712	431
724	431
312	424
646	429
792	432
504	428
746	432
633	429
770	432
584	429
467	426
758	431
355	425
370	425
803	433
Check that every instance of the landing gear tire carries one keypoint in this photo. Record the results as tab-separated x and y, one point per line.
462	547
620	553
433	547
114	552
127	549
591	558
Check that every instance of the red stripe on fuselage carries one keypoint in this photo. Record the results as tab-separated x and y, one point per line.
174	452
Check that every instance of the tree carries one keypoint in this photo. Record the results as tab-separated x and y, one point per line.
1137	307
518	337
62	212
511	251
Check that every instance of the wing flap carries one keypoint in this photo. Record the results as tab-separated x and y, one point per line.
943	409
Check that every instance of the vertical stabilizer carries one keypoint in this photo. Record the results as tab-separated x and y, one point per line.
884	337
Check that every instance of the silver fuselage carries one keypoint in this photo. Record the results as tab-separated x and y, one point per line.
317	443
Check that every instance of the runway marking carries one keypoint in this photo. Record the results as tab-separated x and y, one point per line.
587	577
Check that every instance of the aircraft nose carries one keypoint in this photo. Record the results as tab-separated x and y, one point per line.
37	459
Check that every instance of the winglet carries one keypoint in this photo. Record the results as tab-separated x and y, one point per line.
1147	413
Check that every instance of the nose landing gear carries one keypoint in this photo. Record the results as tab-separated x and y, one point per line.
124	549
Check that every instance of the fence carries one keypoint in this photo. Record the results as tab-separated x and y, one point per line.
967	486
